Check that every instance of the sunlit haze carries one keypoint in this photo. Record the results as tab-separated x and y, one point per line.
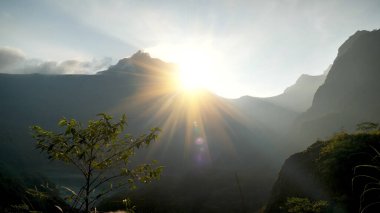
199	67
232	48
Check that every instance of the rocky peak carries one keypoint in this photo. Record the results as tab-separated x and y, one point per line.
140	62
349	42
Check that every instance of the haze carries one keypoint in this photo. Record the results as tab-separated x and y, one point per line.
250	44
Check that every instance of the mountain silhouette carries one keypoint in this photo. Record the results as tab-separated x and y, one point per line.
349	94
299	96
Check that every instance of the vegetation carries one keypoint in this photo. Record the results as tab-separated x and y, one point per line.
100	154
304	205
367	127
342	157
366	179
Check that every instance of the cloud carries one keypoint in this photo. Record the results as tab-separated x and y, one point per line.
66	67
14	61
10	58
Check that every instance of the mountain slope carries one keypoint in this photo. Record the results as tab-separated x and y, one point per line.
299	96
350	92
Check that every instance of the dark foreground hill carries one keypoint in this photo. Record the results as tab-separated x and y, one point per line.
326	170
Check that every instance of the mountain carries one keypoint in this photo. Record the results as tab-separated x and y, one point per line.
270	115
233	132
299	96
349	94
324	171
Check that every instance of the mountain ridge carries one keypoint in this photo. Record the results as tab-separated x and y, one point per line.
349	93
299	96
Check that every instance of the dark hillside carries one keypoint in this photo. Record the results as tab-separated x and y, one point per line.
324	171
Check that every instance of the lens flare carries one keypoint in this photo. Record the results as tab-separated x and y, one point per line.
199	141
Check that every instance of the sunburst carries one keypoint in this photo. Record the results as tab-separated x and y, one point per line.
183	108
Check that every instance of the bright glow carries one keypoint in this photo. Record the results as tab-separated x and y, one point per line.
196	68
201	64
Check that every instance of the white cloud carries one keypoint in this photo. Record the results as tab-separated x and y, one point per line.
10	58
14	61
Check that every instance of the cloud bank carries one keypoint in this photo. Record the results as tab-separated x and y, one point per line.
14	61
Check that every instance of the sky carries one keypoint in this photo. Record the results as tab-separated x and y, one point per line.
233	47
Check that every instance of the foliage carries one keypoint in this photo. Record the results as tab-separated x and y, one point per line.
324	172
341	150
304	205
345	153
367	127
100	154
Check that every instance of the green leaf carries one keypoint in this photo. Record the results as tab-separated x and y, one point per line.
62	122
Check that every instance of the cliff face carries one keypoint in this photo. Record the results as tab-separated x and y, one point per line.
349	94
354	77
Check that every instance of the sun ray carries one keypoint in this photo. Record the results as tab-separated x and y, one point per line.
187	116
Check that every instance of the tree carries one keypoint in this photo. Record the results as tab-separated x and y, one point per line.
100	154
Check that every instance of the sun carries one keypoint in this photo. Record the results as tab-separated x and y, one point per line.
201	65
196	68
